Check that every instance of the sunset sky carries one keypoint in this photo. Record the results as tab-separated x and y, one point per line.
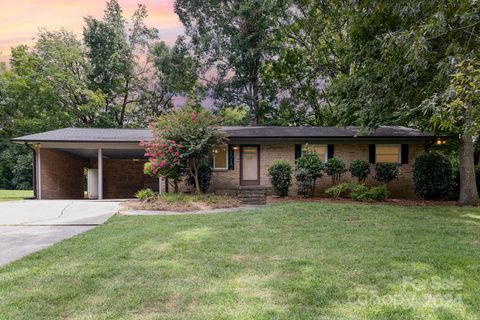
20	19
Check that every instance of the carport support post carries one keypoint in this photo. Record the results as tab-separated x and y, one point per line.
100	174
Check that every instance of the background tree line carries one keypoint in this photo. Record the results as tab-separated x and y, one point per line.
269	62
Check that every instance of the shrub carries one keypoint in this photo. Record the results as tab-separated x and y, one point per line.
204	177
305	182
433	176
386	172
144	194
358	192
335	168
379	193
308	169
280	173
338	190
360	169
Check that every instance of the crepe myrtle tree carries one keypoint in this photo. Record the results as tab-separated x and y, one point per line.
167	158
190	132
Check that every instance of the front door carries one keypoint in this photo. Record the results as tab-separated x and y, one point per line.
249	165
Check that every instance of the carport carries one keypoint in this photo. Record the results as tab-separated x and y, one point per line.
112	159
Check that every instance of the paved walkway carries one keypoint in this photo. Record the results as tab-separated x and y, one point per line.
31	225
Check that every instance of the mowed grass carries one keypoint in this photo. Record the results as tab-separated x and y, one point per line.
287	261
8	195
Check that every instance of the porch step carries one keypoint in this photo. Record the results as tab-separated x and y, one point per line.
252	195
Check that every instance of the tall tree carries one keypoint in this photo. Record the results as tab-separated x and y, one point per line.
232	39
311	41
116	50
404	53
175	73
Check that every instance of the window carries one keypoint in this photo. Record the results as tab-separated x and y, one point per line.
387	153
220	157
320	150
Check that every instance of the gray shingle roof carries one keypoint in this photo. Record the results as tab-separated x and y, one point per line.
247	132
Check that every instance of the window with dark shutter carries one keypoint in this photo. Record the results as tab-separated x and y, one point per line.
231	158
371	153
330	151
404	154
298	151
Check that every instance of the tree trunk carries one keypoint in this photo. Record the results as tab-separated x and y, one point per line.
468	183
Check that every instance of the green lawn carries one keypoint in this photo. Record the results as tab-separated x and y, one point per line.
6	195
287	261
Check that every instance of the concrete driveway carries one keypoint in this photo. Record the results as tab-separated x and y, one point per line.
30	225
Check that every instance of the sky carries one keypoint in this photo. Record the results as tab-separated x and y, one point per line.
21	19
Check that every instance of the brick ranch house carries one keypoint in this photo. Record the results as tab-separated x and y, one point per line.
114	159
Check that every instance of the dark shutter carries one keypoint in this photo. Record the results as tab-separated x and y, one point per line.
371	153
404	154
231	158
298	151
330	151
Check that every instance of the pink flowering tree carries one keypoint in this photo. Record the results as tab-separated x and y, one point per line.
181	142
165	159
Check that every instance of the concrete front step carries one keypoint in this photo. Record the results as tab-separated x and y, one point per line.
252	195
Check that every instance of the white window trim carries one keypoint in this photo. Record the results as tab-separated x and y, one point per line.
399	146
226	162
325	156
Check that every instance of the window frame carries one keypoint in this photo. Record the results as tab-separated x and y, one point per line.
312	146
214	168
399	147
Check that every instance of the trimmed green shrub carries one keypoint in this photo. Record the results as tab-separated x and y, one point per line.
433	176
379	193
204	177
335	168
280	173
308	169
360	169
305	182
144	194
338	190
386	172
358	192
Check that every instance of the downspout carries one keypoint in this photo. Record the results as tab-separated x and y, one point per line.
34	162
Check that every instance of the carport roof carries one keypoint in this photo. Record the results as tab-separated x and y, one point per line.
246	132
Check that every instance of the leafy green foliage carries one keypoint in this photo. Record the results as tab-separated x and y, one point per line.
310	162
338	190
358	192
305	182
433	176
114	50
235	116
335	168
194	131
386	172
280	173
233	41
360	169
144	194
309	167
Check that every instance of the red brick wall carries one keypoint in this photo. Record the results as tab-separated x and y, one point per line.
228	181
61	175
123	178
